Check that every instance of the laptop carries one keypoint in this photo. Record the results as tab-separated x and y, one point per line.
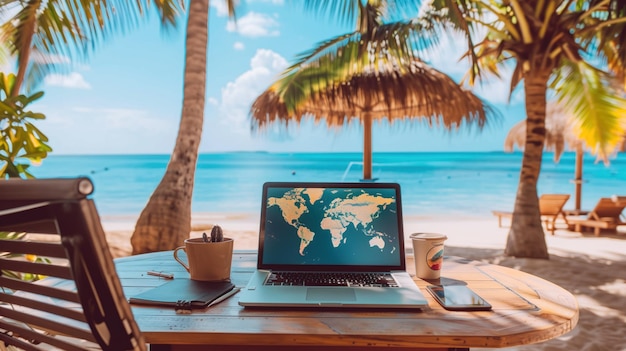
331	245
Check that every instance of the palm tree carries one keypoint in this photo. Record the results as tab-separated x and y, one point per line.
369	74
573	50
66	28
166	220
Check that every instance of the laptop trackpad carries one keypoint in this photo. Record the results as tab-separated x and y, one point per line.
329	294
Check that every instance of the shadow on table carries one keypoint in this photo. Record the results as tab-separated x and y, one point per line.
598	284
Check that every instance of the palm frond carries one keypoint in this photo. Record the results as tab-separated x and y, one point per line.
347	11
446	12
403	38
600	113
388	47
72	29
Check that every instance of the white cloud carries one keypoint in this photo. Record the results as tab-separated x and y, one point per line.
265	58
238	46
220	7
254	25
213	101
42	58
237	96
73	80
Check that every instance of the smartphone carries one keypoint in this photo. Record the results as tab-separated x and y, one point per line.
458	298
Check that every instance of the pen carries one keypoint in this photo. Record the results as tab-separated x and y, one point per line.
224	297
162	275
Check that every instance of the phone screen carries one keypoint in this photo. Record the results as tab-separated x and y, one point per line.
458	297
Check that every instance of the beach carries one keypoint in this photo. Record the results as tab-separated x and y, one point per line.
591	268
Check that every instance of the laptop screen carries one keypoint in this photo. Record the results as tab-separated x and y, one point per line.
331	226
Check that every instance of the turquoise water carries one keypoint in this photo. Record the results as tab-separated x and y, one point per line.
449	183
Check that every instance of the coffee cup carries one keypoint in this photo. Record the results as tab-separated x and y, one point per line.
428	254
206	260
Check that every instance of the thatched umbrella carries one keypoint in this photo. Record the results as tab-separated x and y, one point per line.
414	91
560	136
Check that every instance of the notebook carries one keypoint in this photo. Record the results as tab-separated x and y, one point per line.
185	294
346	238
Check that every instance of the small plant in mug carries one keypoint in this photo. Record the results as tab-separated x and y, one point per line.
217	235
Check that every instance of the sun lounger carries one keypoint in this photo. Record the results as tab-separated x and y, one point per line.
607	214
550	208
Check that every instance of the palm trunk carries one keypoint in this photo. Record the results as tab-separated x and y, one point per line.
165	222
29	28
526	237
367	146
578	177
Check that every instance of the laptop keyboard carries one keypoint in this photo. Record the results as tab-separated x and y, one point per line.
367	279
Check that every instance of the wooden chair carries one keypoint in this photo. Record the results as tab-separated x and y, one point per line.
88	311
607	214
550	208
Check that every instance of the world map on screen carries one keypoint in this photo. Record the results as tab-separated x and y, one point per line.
332	226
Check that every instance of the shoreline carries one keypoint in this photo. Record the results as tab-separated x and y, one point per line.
470	231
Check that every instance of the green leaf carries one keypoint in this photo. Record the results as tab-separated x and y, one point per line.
35	96
6	83
8	108
21	142
35	115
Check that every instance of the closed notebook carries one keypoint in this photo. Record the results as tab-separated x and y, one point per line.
183	294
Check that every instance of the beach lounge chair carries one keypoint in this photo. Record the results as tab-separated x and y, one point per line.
79	305
550	208
607	215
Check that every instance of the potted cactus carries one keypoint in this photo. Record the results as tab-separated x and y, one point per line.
208	258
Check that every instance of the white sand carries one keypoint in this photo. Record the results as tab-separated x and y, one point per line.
592	268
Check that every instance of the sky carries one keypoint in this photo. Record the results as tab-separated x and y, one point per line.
127	97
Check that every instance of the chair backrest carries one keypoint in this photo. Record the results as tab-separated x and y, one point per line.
607	208
79	303
552	204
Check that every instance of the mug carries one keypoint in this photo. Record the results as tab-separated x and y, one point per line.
207	261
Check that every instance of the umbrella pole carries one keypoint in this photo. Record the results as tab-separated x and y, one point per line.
578	175
367	146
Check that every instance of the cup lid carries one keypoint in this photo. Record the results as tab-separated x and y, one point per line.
428	236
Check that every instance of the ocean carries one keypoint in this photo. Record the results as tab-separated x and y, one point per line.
433	183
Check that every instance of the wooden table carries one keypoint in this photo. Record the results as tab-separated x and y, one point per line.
526	310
